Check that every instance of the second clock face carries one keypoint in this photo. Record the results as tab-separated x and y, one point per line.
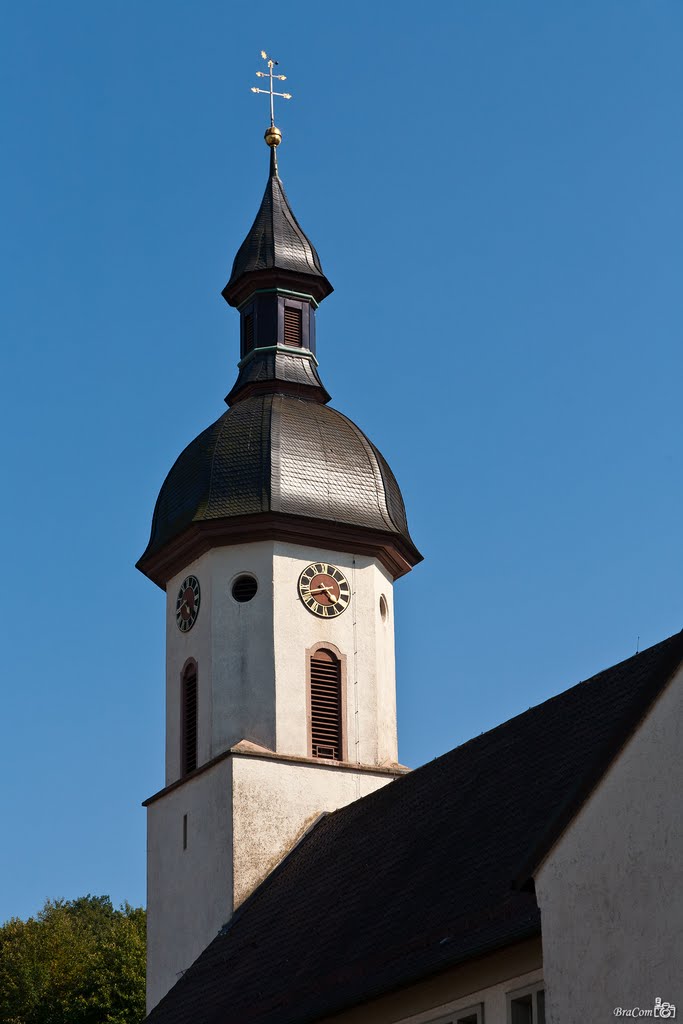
324	590
187	604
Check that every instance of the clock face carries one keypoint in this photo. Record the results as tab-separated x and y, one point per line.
324	590
187	604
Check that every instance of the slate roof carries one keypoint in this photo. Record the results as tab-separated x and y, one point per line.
274	370
417	877
278	453
276	241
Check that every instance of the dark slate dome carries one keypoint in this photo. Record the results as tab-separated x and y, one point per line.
274	453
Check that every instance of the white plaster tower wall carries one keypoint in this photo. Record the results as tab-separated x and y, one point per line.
385	666
215	835
251	656
358	634
189	873
232	643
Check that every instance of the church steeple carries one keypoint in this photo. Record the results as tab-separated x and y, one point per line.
313	470
277	536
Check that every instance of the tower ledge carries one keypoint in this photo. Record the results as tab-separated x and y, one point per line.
245	748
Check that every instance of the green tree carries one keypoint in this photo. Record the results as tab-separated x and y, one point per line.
76	962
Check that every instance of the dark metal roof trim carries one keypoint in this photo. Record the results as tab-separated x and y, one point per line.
395	553
279	291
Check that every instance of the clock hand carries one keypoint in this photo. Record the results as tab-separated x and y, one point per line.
328	591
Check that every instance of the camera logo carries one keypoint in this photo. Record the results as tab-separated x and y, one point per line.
663	1011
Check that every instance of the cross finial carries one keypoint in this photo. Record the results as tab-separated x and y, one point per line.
273	134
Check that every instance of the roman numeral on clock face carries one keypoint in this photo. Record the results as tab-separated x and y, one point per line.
324	590
187	604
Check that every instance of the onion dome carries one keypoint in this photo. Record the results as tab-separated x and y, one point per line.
279	463
275	247
277	467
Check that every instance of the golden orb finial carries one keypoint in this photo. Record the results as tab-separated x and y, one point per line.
273	136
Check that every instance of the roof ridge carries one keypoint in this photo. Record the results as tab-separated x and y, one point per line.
661	674
562	693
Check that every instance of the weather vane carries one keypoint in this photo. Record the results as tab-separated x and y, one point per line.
273	135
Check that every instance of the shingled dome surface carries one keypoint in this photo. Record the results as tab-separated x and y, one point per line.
276	241
276	453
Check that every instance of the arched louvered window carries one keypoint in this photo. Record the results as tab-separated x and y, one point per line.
325	670
189	718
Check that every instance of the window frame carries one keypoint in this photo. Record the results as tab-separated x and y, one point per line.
297	310
324	645
304	308
532	990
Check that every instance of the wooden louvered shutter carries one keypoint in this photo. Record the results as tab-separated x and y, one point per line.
248	332
189	723
326	705
293	326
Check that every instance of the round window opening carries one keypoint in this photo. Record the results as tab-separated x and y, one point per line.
383	609
244	588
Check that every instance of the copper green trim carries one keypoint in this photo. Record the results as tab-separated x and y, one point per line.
278	291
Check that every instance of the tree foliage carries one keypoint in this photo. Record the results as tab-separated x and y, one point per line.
76	962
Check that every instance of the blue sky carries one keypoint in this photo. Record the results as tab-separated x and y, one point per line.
495	192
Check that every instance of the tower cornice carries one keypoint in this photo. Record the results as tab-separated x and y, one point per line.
279	291
397	554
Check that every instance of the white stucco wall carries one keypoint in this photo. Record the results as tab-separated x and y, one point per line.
611	890
189	891
233	646
359	634
243	685
385	666
275	802
244	814
251	657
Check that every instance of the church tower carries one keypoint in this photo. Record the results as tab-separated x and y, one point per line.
277	536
